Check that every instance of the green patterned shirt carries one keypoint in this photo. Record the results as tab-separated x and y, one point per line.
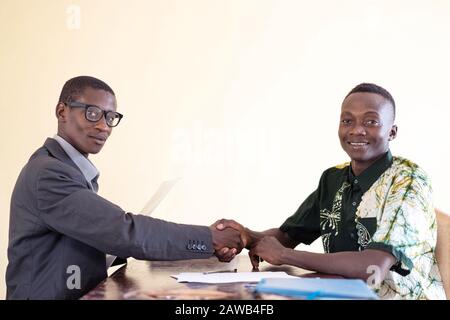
388	207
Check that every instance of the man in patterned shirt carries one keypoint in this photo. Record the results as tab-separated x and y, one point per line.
374	214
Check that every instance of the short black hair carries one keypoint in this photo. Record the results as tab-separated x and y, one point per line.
373	88
74	88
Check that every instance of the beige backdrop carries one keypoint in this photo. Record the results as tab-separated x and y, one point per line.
240	99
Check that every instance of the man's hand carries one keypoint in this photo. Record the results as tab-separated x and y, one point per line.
227	243
269	249
244	232
249	239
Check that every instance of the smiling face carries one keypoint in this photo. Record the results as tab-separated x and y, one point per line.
365	129
85	136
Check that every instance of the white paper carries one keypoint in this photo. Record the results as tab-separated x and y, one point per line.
113	269
229	277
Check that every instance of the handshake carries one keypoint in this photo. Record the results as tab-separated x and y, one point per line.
230	237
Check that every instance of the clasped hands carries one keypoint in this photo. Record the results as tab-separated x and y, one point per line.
230	237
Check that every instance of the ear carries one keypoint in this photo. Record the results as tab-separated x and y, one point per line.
61	112
393	132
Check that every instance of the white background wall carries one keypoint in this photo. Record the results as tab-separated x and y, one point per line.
239	98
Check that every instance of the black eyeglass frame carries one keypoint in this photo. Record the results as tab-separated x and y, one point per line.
76	104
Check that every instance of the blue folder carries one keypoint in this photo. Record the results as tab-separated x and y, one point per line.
316	288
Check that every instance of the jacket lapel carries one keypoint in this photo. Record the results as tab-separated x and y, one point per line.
55	150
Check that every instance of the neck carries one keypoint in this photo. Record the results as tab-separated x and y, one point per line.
358	167
68	140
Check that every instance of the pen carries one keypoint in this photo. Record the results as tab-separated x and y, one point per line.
221	271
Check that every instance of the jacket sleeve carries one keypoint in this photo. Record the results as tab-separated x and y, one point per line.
68	207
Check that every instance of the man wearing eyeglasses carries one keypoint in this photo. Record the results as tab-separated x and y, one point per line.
60	229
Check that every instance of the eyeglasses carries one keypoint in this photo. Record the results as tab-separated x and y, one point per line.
94	113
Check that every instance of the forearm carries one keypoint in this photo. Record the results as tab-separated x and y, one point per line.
347	264
282	237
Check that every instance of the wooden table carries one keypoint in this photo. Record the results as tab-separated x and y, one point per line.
152	280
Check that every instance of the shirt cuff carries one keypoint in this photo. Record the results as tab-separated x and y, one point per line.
402	266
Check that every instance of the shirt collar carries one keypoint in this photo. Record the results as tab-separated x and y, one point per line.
372	173
86	167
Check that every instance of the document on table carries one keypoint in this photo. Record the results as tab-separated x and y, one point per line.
229	277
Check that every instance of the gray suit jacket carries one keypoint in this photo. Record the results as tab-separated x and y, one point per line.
58	225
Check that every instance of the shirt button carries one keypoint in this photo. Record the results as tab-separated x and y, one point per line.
354	203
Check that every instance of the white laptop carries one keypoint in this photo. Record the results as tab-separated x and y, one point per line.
149	207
